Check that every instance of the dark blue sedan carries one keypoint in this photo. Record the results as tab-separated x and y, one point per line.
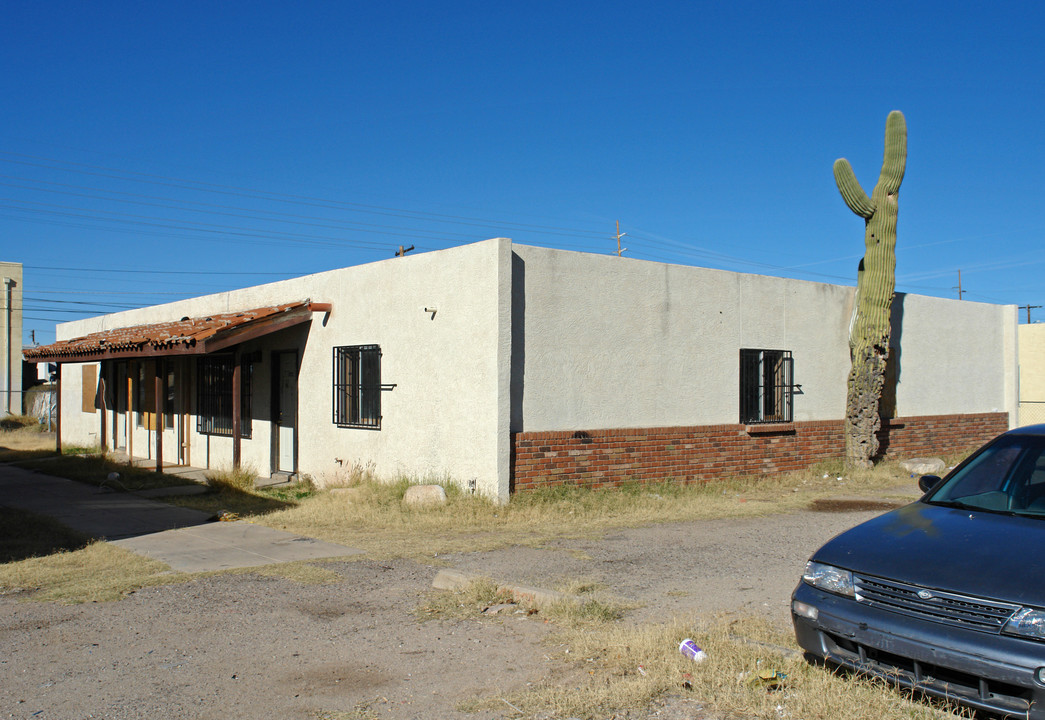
947	594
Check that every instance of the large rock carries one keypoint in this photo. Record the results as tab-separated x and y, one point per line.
924	466
424	495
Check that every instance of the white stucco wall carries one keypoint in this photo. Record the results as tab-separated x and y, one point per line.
956	357
614	343
449	410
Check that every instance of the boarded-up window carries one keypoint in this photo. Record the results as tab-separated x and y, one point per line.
146	395
90	388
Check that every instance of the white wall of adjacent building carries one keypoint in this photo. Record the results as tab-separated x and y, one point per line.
10	339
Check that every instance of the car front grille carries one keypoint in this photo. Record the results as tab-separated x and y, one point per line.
938	606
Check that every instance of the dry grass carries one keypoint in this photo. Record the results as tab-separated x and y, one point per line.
752	671
98	572
303	573
601	668
19	422
21	440
576	610
373	518
241	479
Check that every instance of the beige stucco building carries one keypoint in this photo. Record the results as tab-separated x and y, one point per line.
501	367
1032	374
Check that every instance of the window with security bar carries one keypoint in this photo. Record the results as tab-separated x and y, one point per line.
357	386
766	386
214	396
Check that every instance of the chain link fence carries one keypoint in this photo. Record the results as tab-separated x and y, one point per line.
1032	412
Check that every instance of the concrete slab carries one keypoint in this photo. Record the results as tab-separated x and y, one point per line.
226	545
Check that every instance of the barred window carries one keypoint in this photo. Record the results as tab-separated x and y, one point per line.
357	386
766	387
214	396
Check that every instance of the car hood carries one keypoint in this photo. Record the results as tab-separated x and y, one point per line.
965	551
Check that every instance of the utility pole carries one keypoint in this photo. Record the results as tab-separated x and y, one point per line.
959	285
1028	308
619	236
401	251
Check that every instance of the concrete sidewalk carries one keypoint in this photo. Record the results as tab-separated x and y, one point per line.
183	538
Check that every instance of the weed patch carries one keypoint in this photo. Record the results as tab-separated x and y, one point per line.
602	671
96	573
23	442
241	479
372	516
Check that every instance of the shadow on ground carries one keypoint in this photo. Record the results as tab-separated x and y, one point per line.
25	535
227	500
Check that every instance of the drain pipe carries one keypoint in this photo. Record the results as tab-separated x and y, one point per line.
7	344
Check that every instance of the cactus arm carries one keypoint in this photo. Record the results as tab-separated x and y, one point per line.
895	153
852	193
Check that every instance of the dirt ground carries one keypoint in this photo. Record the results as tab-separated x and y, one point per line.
250	646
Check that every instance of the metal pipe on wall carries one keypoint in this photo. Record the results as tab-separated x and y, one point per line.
7	346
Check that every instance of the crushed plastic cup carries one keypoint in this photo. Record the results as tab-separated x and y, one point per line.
691	650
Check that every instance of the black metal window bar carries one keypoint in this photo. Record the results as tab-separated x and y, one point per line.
214	396
766	386
357	386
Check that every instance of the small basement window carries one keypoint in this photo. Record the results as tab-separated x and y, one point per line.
766	386
357	386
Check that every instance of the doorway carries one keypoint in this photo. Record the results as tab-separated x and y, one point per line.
285	410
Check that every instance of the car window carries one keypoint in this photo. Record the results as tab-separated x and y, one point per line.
1008	475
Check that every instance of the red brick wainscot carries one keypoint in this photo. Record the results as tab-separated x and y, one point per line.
609	458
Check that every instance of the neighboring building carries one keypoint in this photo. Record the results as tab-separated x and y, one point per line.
504	367
1032	374
11	339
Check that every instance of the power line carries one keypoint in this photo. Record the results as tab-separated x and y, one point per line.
232	190
163	272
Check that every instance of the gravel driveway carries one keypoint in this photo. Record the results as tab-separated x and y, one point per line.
249	646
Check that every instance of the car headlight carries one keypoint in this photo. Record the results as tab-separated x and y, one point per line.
1027	622
829	578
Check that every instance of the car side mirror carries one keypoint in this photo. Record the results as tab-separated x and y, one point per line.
928	482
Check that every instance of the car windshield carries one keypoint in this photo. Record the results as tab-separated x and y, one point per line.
1007	476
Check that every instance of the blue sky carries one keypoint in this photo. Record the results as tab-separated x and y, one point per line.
151	151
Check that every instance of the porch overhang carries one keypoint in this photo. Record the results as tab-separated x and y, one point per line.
187	336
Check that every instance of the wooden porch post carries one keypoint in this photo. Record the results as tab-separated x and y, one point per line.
103	387
132	377
237	404
58	409
157	422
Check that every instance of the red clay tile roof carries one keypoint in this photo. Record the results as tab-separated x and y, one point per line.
188	336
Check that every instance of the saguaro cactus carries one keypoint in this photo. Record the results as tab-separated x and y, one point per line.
876	281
